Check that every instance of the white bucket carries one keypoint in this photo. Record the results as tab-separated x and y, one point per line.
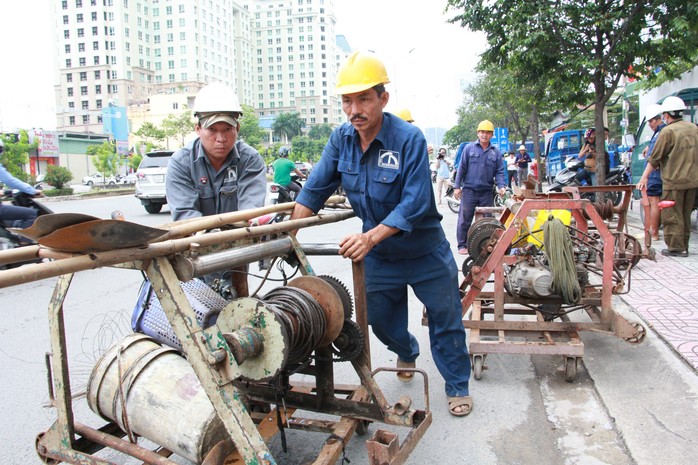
165	402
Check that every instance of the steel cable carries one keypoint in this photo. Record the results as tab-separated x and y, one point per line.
302	317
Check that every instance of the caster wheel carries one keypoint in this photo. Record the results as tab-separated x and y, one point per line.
639	336
362	427
570	369
478	366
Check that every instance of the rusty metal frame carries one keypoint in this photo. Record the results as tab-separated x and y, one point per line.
495	318
72	442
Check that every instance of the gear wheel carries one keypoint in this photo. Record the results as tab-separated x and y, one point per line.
480	233
344	294
350	343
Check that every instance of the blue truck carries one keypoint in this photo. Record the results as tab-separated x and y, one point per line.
563	144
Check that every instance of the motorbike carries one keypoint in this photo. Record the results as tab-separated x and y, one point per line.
9	240
454	205
570	176
282	194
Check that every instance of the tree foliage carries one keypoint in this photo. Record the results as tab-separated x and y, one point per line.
178	126
149	131
58	176
250	131
320	131
105	159
134	161
16	154
303	148
288	125
580	49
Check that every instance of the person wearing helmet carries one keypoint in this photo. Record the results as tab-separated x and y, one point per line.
379	160
479	170
24	216
675	153
522	160
405	114
283	167
215	173
654	180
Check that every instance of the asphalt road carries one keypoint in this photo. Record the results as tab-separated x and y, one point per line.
630	404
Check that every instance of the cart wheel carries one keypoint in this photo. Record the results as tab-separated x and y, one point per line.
362	427
639	336
570	369
478	366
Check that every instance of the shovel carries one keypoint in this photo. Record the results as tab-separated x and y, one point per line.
46	224
100	235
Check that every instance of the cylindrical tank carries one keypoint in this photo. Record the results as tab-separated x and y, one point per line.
164	399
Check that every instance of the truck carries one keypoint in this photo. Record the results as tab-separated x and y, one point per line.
560	145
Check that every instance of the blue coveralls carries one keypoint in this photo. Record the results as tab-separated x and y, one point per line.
654	181
479	170
390	184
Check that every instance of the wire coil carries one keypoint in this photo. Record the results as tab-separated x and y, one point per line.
302	317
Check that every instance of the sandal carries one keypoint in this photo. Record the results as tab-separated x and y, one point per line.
405	376
464	404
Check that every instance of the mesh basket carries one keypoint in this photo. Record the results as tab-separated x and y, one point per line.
149	318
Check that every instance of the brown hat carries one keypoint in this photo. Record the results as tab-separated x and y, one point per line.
211	119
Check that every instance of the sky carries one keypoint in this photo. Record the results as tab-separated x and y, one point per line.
427	59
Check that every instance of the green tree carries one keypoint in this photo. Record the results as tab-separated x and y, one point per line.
16	154
178	126
149	131
320	131
288	125
105	159
591	43
250	131
58	176
134	161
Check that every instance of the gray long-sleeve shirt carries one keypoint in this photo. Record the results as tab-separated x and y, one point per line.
194	188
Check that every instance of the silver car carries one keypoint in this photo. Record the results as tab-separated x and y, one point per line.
150	180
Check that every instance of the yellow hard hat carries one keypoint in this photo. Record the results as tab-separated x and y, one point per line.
359	72
405	114
485	125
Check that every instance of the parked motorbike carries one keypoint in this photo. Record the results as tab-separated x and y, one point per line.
454	205
570	176
9	240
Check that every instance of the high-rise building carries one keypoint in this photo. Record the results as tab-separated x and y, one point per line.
279	56
122	52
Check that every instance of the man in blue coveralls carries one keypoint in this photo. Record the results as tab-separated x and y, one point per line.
479	169
379	160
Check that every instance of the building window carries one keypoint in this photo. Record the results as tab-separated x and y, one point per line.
66	34
94	16
99	103
96	59
82	61
85	105
71	121
98	74
71	104
64	4
68	63
83	76
95	45
65	19
81	47
98	89
83	90
69	77
79	17
70	91
78	3
67	48
95	31
81	32
85	119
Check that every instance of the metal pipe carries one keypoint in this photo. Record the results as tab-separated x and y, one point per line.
320	249
188	268
126	447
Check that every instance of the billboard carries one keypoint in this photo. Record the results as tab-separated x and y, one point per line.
501	139
115	122
48	143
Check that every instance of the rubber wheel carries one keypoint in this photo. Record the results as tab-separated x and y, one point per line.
90	183
478	366
570	369
452	205
153	207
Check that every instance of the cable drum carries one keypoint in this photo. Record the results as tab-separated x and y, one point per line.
303	318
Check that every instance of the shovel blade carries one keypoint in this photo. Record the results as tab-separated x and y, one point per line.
100	236
46	224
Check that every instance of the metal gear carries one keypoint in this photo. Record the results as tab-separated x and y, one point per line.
344	294
349	344
480	233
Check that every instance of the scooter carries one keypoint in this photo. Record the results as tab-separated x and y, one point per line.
454	205
282	194
570	176
9	240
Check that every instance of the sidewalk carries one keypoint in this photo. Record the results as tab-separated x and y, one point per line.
664	293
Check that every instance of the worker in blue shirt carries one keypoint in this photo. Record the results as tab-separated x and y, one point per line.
379	160
480	168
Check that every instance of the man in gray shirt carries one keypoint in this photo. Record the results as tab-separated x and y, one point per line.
215	173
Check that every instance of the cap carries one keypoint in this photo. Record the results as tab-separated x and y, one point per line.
210	120
522	147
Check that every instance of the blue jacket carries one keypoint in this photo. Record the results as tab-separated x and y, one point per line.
10	181
389	184
480	169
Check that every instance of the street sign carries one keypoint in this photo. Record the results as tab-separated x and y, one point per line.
501	139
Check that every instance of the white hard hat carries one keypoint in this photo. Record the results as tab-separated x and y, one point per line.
522	147
216	98
653	111
672	104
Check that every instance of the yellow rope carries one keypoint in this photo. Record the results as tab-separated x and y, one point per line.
558	247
